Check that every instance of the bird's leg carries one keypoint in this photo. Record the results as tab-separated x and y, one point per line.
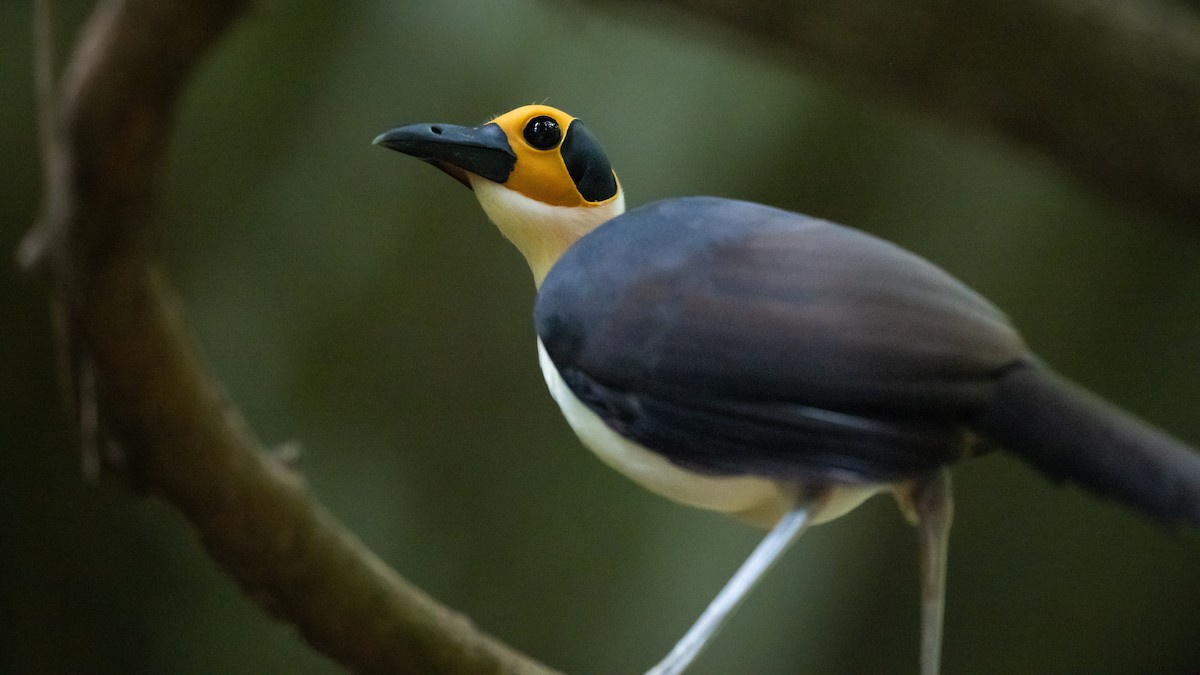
786	531
933	505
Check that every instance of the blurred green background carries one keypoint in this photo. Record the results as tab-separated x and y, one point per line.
359	303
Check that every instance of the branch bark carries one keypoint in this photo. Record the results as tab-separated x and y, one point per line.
1110	89
128	355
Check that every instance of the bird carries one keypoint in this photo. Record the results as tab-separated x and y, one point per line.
777	367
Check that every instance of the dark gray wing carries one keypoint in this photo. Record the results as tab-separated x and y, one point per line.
737	338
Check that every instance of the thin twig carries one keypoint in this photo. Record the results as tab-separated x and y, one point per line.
43	79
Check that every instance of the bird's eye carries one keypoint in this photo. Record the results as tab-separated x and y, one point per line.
543	132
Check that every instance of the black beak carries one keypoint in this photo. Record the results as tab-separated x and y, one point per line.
483	151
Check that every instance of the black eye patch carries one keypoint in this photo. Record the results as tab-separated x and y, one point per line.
587	164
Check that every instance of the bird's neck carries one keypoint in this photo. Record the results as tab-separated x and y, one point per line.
541	232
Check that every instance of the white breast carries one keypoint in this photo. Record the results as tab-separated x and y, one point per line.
760	501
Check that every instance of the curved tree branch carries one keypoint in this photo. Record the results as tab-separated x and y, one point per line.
1110	89
130	357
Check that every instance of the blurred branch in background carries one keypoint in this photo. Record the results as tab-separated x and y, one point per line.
1108	88
129	356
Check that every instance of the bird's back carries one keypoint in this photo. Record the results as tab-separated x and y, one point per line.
734	337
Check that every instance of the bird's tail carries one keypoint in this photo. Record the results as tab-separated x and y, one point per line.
1071	434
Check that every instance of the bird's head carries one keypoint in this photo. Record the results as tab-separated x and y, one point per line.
539	174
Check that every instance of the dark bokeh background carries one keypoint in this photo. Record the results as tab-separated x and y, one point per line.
360	304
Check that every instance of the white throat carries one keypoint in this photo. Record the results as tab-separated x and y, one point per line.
541	232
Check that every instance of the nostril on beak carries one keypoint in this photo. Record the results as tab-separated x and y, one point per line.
436	129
